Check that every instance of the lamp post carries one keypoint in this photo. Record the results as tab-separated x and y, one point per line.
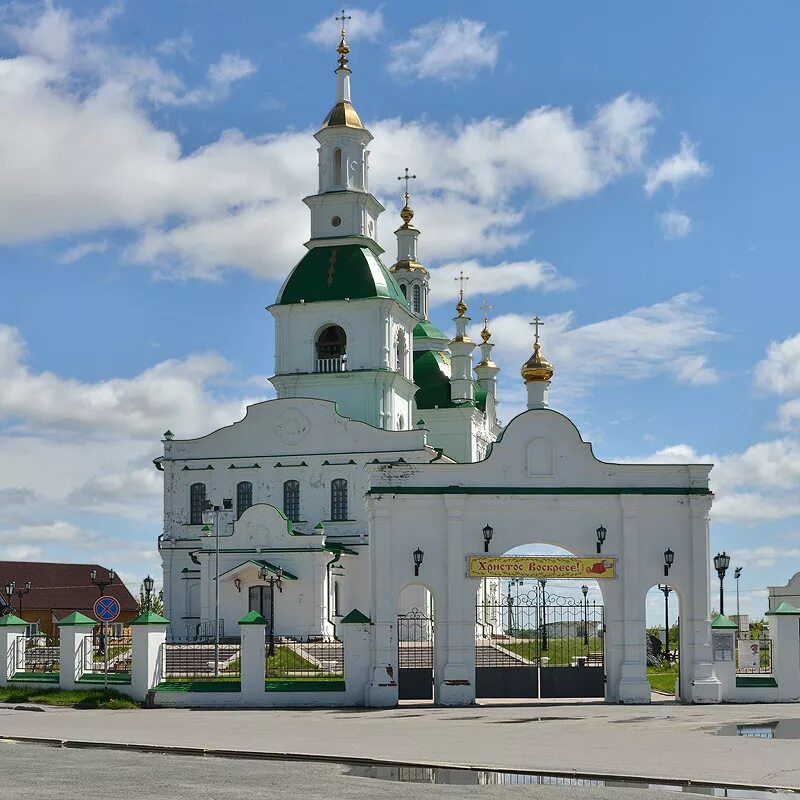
585	590
737	573
418	556
721	563
601	537
666	590
669	558
101	583
10	586
510	604
543	583
488	532
21	592
274	581
227	504
148	583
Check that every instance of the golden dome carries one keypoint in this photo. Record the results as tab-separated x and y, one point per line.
461	307
486	334
342	115
407	213
537	367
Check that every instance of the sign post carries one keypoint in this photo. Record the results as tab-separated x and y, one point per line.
106	609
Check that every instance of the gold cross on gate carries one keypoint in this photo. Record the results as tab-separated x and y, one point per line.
406	178
343	19
460	279
537	323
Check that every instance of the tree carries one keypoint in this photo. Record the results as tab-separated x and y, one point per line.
156	602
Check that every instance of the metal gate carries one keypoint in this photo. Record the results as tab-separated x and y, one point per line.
415	655
538	645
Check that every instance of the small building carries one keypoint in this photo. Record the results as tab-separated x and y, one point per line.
57	590
788	593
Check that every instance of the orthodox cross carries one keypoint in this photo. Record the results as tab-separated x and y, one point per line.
486	308
343	19
537	323
460	279
406	178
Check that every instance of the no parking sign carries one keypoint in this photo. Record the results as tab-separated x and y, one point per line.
106	608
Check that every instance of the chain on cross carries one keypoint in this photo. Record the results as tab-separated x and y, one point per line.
460	280
537	323
343	19
406	178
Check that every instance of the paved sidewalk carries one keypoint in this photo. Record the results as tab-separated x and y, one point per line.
657	741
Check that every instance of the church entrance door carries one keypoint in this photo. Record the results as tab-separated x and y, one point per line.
415	655
538	645
259	600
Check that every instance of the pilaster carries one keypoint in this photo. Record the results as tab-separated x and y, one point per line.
75	634
148	636
12	644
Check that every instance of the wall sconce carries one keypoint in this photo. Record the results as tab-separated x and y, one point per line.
669	557
488	532
237	582
601	537
418	556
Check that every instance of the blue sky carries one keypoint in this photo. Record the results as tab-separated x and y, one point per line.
628	173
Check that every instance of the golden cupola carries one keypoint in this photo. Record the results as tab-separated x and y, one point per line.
537	367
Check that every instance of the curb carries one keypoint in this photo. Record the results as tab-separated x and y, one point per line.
267	755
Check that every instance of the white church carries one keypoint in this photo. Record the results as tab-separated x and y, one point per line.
363	490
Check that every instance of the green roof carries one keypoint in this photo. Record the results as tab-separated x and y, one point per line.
11	619
76	618
427	330
784	608
355	617
721	621
149	618
338	272
432	375
253	618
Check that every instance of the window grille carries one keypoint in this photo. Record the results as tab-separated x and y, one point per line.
291	500
244	497
416	299
197	494
339	499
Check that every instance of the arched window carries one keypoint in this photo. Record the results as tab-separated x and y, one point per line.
332	350
416	300
404	290
337	166
400	351
336	612
291	500
244	497
338	499
197	496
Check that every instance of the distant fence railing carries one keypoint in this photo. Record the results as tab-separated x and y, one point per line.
39	653
118	649
191	660
754	656
304	658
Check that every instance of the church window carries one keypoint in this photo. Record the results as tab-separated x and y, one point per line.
336	221
338	499
337	166
332	350
197	496
244	497
336	612
404	290
416	300
291	500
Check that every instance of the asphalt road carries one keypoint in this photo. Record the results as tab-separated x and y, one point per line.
34	771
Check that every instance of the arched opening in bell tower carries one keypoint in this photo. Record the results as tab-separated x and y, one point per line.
331	349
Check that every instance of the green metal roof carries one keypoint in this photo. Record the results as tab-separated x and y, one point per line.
784	608
355	617
252	618
149	618
338	272
427	330
432	375
11	619
723	622
76	618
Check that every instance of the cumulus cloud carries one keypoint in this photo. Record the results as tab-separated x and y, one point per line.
674	224
363	24
445	50
82	250
779	373
677	168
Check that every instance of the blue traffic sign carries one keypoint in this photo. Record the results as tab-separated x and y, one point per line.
106	608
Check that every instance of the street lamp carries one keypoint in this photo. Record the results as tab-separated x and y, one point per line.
737	573
585	590
666	589
488	532
10	586
100	583
148	590
418	556
274	582
543	583
601	537
21	592
669	557
510	603
721	563
207	506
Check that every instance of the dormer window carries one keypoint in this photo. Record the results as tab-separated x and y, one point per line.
332	350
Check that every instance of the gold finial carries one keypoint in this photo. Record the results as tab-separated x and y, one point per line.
537	367
343	49
461	306
407	213
486	334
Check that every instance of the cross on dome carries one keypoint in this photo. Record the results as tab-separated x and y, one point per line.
486	308
537	323
343	49
407	213
461	306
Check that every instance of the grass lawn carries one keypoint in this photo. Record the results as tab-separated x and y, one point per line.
662	678
80	698
559	651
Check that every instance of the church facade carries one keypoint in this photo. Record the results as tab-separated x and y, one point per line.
380	468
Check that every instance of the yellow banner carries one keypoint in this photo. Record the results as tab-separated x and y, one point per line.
541	567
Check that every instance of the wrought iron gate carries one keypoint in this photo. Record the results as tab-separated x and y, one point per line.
538	645
415	655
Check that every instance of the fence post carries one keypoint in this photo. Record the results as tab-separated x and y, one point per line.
252	656
148	635
784	631
74	630
723	649
12	642
355	631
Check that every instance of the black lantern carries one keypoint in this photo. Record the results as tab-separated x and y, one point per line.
669	557
418	556
99	582
488	532
10	586
601	537
148	584
227	503
721	563
585	590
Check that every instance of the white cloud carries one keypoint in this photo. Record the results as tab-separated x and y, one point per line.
79	251
674	224
779	372
496	279
445	50
58	531
363	24
131	491
177	46
677	168
765	556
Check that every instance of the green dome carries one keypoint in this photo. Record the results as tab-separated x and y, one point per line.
432	375
338	272
427	330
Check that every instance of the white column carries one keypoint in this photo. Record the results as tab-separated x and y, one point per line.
357	638
12	644
75	637
784	630
148	636
252	657
724	660
537	394
461	347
